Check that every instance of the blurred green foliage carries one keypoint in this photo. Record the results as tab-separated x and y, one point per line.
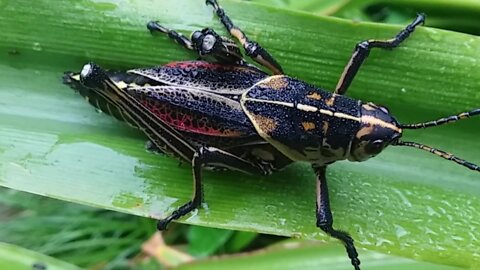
456	15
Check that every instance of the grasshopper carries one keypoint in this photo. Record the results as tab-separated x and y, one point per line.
224	113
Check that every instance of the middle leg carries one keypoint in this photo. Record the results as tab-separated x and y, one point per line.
325	218
210	156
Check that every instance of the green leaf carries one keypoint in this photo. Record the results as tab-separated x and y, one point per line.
204	241
458	15
14	257
305	255
239	241
404	202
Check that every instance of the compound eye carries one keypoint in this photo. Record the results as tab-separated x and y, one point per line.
374	147
378	142
384	109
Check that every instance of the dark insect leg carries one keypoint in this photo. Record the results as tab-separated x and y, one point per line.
203	157
325	218
362	51
179	38
207	43
252	48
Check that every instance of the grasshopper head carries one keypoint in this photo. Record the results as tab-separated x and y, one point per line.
206	41
377	131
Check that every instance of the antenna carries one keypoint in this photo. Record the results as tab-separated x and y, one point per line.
440	153
441	121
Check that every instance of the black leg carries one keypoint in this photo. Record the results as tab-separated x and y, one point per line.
177	37
203	157
363	49
325	218
207	43
252	48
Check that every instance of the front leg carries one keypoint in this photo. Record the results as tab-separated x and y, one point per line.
362	50
207	43
325	218
252	48
210	156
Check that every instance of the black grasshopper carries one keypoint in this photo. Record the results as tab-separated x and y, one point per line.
226	113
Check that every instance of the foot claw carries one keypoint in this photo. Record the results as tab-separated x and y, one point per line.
162	224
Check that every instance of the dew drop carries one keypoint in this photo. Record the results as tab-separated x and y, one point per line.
205	206
432	212
270	208
458	238
433	34
400	231
382	241
36	47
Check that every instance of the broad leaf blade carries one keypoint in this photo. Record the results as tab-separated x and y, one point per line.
14	257
307	256
404	202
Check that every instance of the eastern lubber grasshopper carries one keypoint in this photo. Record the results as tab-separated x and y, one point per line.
225	113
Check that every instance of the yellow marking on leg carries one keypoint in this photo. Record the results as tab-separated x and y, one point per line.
239	35
314	95
345	71
381	40
75	77
308	126
325	129
444	155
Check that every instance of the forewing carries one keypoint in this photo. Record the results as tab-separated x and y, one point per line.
201	75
